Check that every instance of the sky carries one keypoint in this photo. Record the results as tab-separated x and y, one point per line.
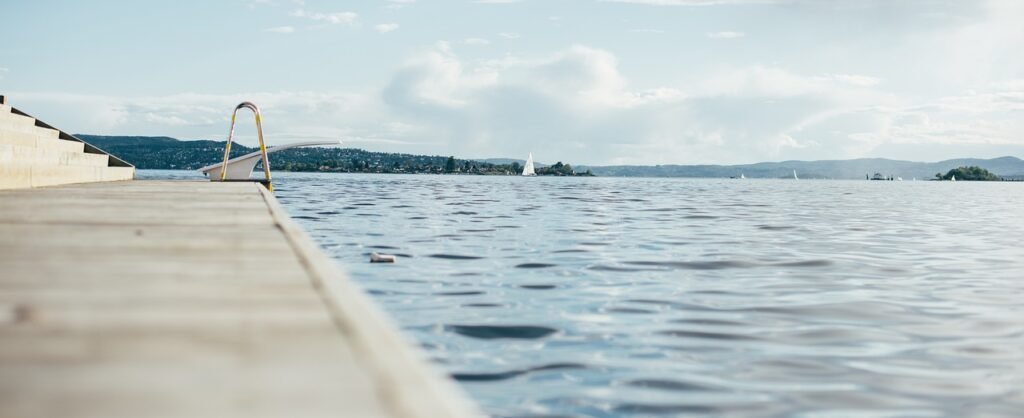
594	82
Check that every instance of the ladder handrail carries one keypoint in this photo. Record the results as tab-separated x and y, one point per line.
259	133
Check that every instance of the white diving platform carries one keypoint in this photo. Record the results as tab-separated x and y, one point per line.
240	168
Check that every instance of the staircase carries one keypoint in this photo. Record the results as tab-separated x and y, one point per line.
35	154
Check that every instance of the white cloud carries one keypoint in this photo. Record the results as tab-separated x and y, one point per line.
256	3
476	41
399	4
287	116
281	29
974	124
166	120
725	35
986	117
974	52
336	18
576	105
857	80
566	103
695	2
386	27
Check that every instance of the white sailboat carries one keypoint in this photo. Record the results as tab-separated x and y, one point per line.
952	178
794	176
742	176
528	167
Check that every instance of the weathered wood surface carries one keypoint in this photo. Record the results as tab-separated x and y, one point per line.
168	299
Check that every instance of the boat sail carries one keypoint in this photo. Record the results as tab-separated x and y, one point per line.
952	178
794	176
528	167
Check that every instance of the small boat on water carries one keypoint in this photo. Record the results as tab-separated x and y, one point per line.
528	167
794	176
742	176
952	178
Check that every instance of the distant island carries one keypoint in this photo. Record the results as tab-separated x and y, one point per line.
165	153
1005	168
171	153
972	173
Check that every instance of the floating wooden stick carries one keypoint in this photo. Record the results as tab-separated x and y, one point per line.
381	258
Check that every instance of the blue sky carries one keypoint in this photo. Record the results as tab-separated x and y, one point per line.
583	81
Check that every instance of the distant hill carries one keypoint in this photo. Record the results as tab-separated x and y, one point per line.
834	169
160	152
500	160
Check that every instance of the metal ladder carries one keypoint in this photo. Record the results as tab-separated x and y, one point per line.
263	148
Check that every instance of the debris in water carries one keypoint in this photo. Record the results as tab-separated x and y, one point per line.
381	258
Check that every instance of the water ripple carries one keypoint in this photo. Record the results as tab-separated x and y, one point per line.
667	384
490	377
696	265
605	297
534	265
455	257
488	332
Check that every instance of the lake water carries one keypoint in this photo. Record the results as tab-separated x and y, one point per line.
636	297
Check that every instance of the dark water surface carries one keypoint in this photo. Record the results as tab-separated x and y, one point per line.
616	297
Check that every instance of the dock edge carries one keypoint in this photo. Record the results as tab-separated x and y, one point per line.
405	382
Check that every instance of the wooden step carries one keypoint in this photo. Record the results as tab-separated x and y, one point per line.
29	139
10	154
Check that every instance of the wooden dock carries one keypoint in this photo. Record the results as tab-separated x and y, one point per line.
191	299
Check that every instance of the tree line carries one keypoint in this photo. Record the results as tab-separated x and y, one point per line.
971	173
162	153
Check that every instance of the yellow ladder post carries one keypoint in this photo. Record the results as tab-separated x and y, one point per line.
259	133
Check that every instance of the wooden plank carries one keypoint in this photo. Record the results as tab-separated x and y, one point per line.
153	298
